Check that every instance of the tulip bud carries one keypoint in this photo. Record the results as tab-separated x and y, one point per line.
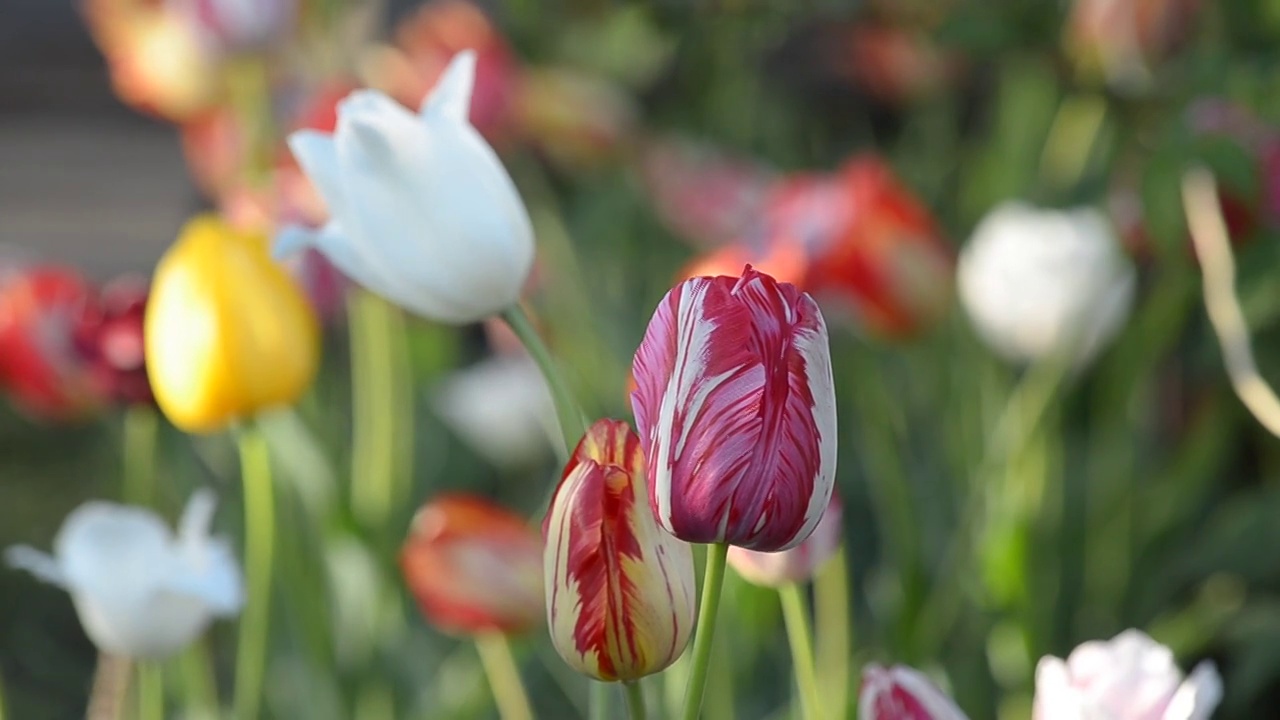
473	566
1038	282
139	591
620	592
903	693
422	211
1129	676
228	26
798	564
227	332
735	405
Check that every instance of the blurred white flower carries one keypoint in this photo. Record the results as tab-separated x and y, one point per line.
140	591
903	693
1035	282
422	211
502	409
1130	677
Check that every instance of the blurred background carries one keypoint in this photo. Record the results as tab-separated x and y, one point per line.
997	508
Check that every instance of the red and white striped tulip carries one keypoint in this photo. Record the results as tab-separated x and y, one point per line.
903	693
735	406
620	592
800	563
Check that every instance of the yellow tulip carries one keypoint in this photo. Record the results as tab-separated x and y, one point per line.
227	331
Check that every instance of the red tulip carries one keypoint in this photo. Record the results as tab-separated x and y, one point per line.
884	258
800	563
473	566
42	371
109	338
902	693
620	592
736	410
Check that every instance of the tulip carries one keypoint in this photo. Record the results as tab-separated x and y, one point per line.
798	564
502	409
109	338
1038	282
1125	42
620	592
140	591
227	333
1130	677
903	693
473	566
784	261
735	406
40	368
702	195
422	211
878	252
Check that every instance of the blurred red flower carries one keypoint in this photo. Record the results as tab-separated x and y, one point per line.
108	337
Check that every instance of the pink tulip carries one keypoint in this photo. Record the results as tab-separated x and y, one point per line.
800	563
903	693
1130	677
735	407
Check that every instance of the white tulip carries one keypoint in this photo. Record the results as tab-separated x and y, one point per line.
1130	677
501	408
139	591
1037	282
421	210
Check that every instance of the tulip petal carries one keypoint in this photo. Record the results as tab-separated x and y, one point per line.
451	97
734	385
40	564
318	155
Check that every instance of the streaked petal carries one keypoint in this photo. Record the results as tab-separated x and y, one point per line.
736	408
621	598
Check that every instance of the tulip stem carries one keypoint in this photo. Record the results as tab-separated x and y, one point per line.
110	686
635	699
712	583
504	676
259	546
572	423
796	617
834	632
140	426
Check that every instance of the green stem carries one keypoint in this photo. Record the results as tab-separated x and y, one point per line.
712	583
635	699
504	676
572	423
140	427
199	684
381	451
598	701
150	691
796	617
832	625
259	547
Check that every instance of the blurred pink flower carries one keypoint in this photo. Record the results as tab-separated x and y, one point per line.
1123	41
1130	677
903	693
774	569
231	26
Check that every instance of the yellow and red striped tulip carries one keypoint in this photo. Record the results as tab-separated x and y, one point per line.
473	566
227	332
620	591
